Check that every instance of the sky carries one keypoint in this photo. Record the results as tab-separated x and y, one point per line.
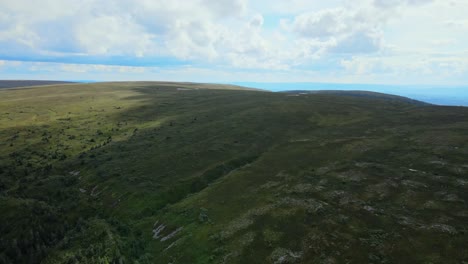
393	42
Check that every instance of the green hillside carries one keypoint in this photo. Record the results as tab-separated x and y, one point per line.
366	94
200	173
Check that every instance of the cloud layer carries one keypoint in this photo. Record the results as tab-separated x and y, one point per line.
413	41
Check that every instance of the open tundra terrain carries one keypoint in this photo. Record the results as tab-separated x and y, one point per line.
143	172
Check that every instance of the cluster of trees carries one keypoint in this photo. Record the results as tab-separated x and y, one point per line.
41	207
30	231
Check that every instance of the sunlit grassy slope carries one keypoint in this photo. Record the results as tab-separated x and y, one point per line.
197	173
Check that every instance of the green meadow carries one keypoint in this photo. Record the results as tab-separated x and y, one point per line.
148	172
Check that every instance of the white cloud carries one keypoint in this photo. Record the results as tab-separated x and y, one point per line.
225	8
399	3
94	68
120	27
293	7
322	24
341	37
111	35
8	63
357	69
257	21
341	30
359	42
444	42
460	23
411	66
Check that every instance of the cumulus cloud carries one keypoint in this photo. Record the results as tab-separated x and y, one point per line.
112	35
225	8
336	36
359	42
340	30
119	27
366	65
320	24
398	3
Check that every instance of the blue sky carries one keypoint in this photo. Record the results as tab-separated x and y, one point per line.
393	42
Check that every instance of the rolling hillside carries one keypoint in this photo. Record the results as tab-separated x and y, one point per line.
201	173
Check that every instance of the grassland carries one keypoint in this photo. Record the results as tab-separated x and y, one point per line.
196	173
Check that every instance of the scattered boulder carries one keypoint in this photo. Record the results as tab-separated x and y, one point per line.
171	235
282	255
157	229
74	173
443	228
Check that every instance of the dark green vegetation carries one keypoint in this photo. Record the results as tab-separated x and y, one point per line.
366	94
176	173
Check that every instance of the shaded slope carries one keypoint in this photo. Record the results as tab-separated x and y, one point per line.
366	94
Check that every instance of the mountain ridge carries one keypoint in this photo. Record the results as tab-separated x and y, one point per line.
360	93
5	84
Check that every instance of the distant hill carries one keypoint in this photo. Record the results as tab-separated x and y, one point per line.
181	85
438	95
365	94
26	83
177	85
